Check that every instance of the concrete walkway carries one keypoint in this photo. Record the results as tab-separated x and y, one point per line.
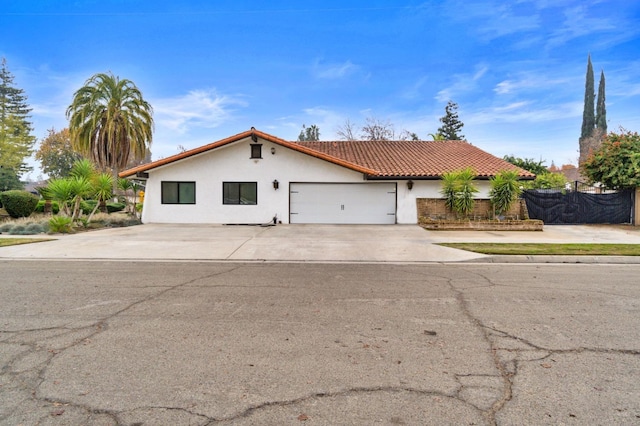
301	243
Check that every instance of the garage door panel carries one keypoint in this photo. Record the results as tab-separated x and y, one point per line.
366	203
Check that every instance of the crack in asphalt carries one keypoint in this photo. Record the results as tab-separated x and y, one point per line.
506	376
342	393
24	380
39	352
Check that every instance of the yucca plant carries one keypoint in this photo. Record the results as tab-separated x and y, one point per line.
102	191
505	190
83	169
449	189
61	224
466	190
458	190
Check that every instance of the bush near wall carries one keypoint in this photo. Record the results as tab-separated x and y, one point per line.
18	203
55	207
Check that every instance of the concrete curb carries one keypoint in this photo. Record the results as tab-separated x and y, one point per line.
619	260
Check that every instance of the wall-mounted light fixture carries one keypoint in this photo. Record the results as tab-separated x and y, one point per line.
273	150
276	184
410	184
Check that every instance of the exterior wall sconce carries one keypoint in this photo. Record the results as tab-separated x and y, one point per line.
273	150
276	184
410	184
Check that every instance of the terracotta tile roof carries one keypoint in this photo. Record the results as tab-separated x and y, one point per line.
376	159
419	159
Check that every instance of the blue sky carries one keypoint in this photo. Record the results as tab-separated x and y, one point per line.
212	69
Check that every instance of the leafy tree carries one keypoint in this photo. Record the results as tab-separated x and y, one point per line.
311	133
616	164
56	155
9	180
16	140
547	180
451	124
535	167
110	122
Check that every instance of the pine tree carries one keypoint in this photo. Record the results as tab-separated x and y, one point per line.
451	123
588	119
601	109
16	140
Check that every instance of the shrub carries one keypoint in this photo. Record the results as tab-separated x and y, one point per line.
34	228
55	207
61	224
505	190
115	207
19	203
87	206
458	190
6	227
548	181
18	230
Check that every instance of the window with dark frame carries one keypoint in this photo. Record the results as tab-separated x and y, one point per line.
256	150
178	192
240	193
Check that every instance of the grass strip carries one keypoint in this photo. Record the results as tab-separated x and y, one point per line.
15	241
549	249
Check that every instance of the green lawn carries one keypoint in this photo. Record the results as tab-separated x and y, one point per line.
550	249
14	241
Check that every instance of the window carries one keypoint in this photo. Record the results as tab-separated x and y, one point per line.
256	150
240	193
178	192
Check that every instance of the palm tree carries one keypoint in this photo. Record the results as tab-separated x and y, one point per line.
110	122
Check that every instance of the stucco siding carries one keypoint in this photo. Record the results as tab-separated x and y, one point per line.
232	163
407	211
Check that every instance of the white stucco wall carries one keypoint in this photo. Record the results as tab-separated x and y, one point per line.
232	163
407	212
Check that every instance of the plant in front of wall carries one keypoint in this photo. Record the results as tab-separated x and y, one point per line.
458	190
505	190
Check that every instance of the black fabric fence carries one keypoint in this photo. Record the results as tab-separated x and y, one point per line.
560	207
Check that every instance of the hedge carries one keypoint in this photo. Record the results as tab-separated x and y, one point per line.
18	203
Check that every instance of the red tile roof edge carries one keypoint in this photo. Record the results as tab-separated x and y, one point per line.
238	137
370	173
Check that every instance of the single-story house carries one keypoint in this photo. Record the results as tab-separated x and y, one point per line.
254	177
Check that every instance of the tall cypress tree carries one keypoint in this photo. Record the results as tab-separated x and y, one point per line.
16	140
601	109
588	119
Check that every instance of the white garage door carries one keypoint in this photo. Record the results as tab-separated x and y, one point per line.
342	203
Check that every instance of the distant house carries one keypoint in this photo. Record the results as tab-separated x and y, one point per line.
254	177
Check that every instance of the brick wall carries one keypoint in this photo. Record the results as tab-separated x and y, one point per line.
434	208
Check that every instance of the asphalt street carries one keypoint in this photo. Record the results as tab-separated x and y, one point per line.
208	343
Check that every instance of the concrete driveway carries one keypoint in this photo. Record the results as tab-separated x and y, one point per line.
321	243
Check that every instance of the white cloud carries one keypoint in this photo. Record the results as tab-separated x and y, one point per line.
577	23
198	108
462	83
525	111
334	70
529	81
